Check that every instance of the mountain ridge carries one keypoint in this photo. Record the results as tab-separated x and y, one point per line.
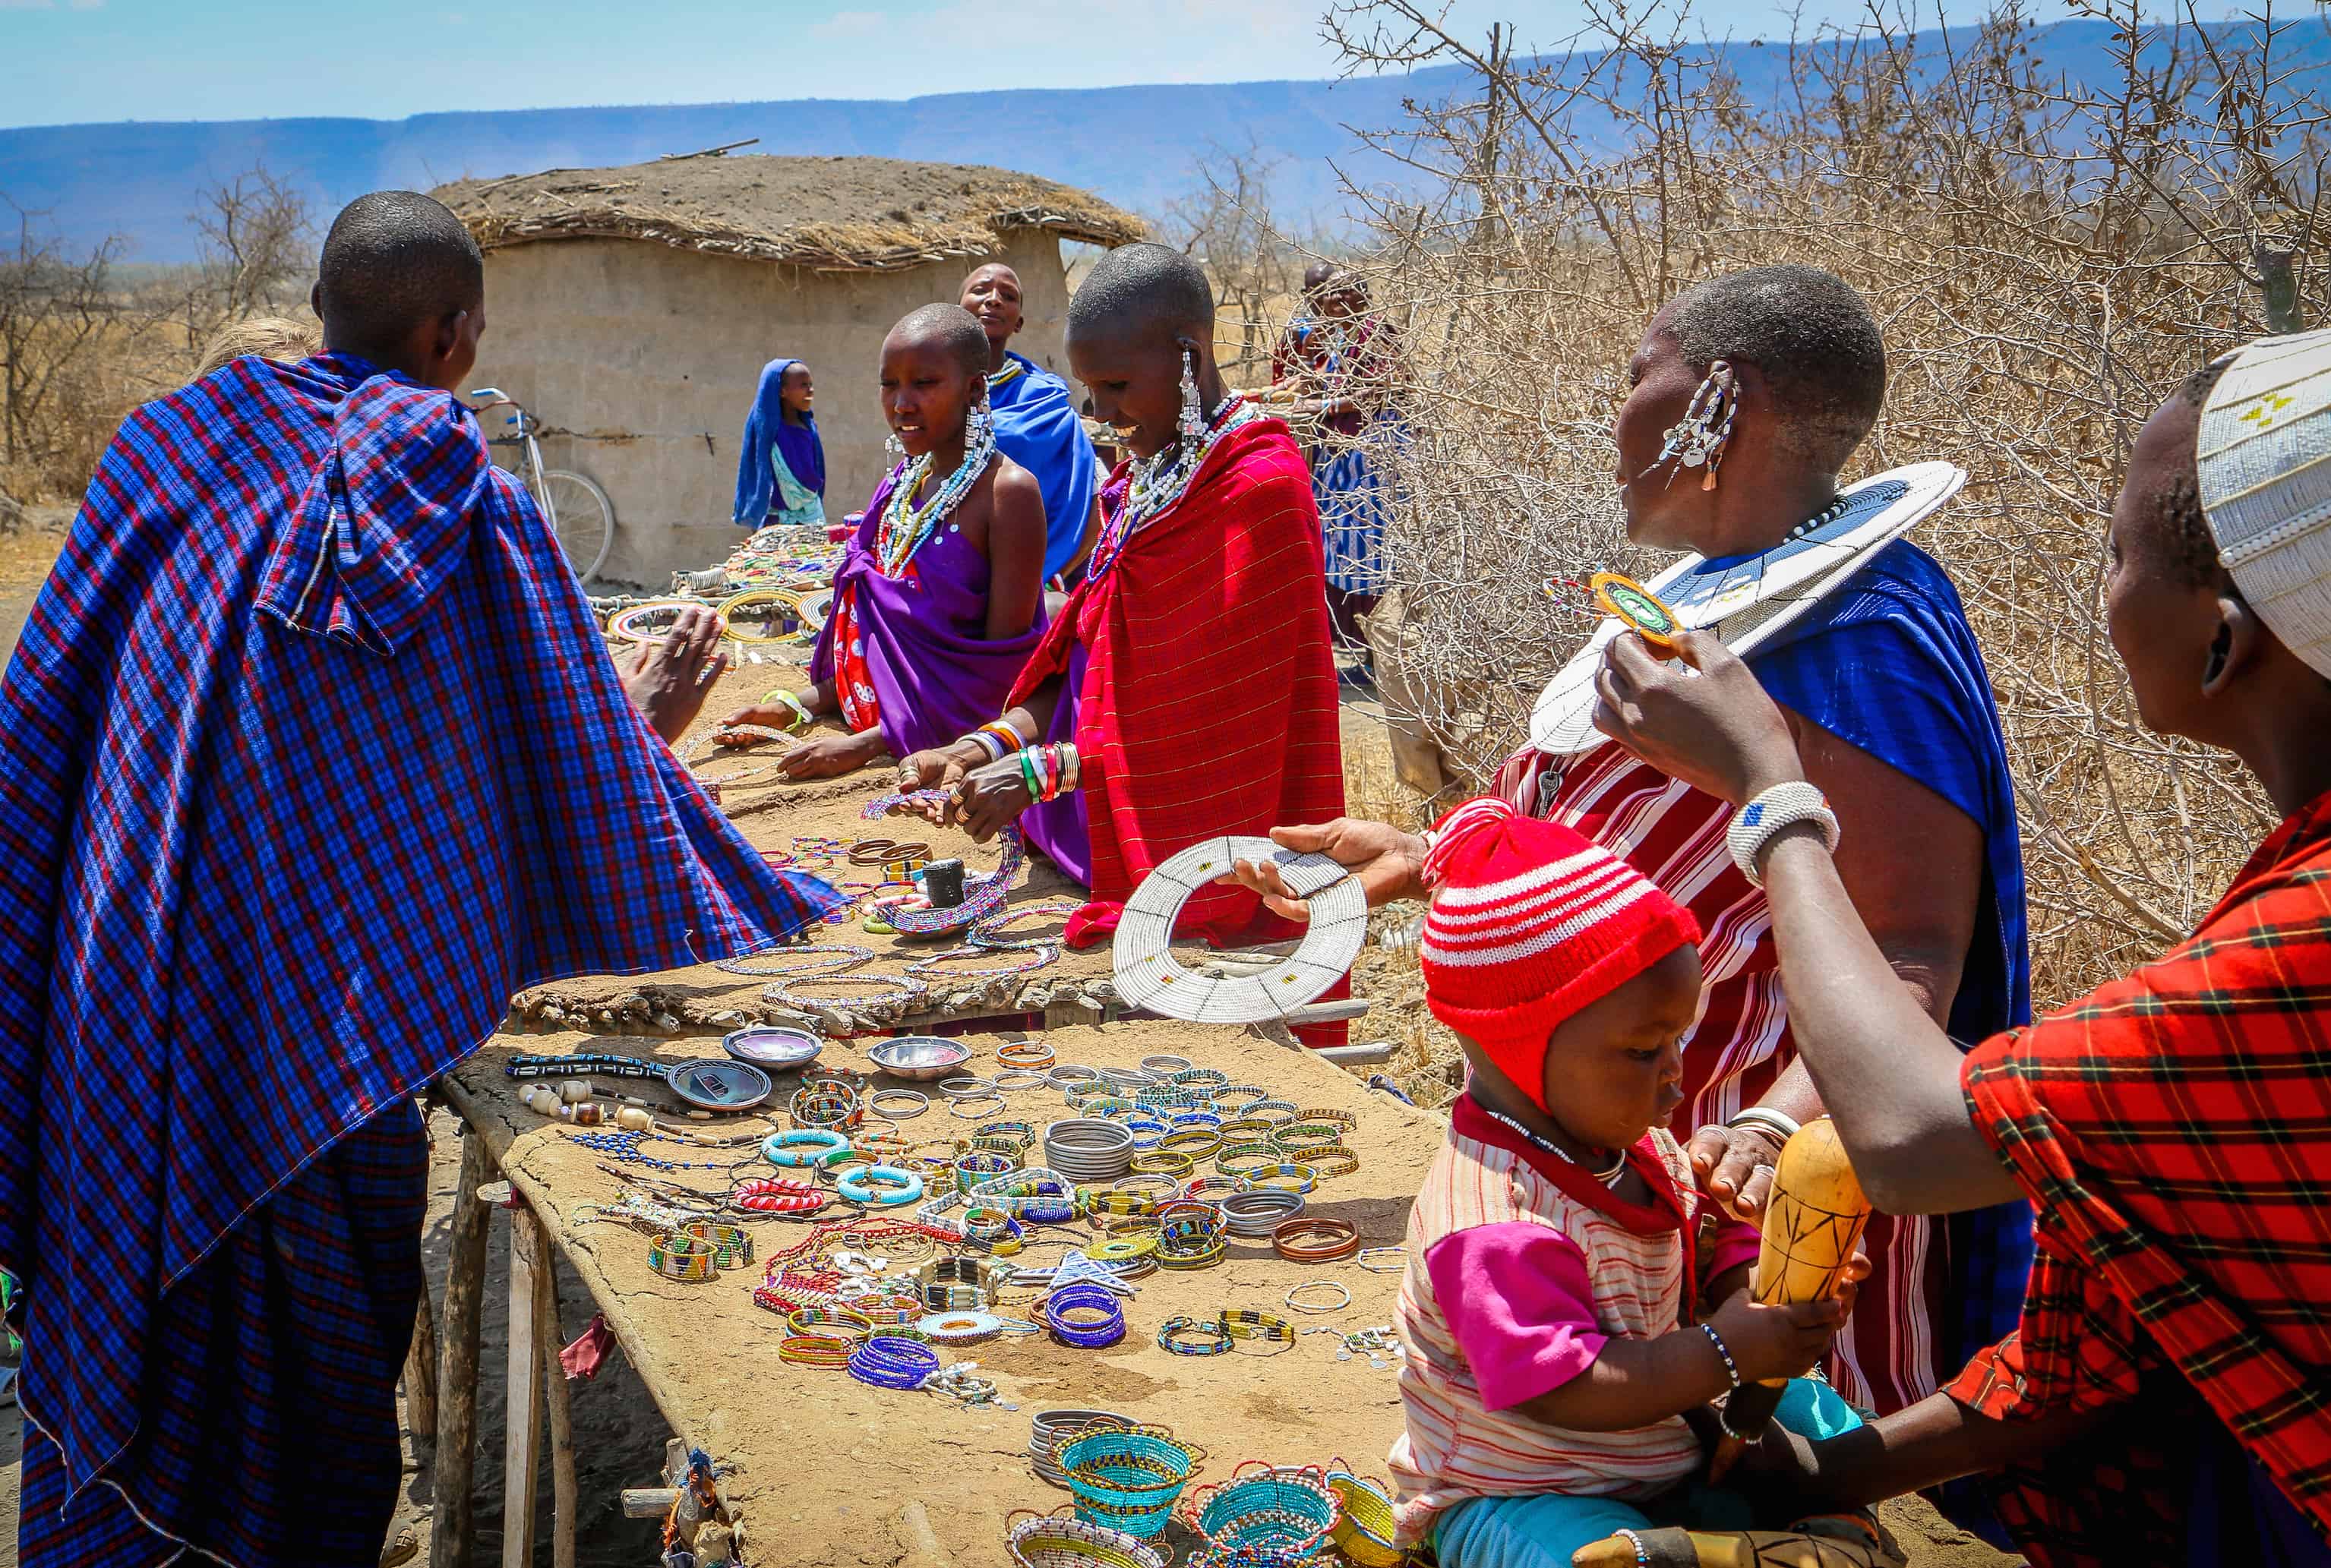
1136	147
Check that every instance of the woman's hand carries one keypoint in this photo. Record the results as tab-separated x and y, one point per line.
939	768
775	716
830	756
1387	861
993	794
1715	729
1734	1165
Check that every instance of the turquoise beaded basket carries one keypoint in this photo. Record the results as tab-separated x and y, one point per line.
1274	1518
1128	1480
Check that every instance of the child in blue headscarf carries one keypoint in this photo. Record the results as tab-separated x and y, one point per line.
781	474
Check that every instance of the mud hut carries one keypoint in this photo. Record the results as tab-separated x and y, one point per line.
631	310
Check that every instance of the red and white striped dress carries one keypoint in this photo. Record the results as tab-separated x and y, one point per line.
1885	1358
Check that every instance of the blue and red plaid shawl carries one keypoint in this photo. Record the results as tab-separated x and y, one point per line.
310	754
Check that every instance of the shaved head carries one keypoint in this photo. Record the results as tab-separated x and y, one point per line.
1144	289
394	262
1811	336
950	327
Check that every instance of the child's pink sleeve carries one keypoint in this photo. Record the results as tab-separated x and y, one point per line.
1735	1243
1516	1298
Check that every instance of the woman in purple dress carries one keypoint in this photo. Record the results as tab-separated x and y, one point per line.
940	596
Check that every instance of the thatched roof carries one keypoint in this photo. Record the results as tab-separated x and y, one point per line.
832	213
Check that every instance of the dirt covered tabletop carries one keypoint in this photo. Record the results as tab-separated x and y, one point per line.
785	818
822	1469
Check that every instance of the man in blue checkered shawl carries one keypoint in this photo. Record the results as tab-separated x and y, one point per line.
310	754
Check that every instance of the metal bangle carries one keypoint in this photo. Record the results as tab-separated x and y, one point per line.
909	1103
1335	1285
1770	1120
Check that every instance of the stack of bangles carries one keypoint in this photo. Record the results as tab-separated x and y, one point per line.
1085	1316
1313	1240
999	739
1050	772
890	1360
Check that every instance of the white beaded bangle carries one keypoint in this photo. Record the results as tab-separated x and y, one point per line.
1757	823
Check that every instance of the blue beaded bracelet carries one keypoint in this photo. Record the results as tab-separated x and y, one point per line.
880	1186
1170	1332
1085	1299
889	1362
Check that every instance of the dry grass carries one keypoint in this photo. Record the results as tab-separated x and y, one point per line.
2047	265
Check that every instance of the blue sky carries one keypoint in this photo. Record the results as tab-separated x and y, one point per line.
71	61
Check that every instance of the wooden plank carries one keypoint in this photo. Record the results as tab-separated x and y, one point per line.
522	1428
562	1415
452	1528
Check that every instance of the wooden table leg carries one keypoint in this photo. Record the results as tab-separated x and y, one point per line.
562	1421
451	1527
522	1425
421	1373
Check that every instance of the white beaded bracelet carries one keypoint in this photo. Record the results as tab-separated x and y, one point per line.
1756	824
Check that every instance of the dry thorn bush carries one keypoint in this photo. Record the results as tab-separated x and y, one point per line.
2046	261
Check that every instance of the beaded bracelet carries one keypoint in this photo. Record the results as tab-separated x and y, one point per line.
1213	1188
1021	1136
1207	1078
1280	1112
1204	1257
1123	1248
1382	1259
803	1145
904	1103
586	1063
1025	1053
1016	1079
1341	1289
1731	1367
1240	1323
1297	1136
970	1108
893	1361
796	963
775	1195
1192	1144
1315	1240
732	1247
1240	1097
1084	1316
1286	1178
1168	1064
1334	1160
893	988
815	1350
681	1257
1159	1162
1244	1130
1193	1336
830	1323
880	1186
1244	1159
1068	1075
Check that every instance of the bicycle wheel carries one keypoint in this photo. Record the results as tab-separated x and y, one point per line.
582	517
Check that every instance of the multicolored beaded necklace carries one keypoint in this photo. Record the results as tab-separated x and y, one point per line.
1157	484
904	527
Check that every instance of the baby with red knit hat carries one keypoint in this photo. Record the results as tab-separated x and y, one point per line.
1555	1269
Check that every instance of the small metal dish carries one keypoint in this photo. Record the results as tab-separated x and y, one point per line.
920	1058
769	1046
713	1085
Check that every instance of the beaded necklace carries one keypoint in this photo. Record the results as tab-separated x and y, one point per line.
1012	370
1609	1178
905	527
1158	483
1819	519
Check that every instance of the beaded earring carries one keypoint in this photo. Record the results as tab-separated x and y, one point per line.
894	449
1192	424
980	425
1697	439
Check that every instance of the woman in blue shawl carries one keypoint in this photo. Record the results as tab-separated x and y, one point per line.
1036	422
781	473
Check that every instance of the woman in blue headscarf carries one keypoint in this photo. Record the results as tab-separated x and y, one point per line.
1036	422
781	474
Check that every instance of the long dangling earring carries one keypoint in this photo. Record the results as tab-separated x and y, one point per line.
980	427
1699	438
1192	424
894	449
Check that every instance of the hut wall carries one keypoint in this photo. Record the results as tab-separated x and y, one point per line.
646	356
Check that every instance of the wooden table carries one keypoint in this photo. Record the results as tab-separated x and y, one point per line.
820	1469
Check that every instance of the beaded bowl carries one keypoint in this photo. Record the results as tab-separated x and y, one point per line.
1058	1541
1363	1525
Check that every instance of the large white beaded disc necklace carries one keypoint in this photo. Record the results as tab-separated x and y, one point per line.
904	527
1159	482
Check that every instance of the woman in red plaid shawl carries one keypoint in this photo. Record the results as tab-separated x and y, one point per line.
1190	671
310	755
2167	1397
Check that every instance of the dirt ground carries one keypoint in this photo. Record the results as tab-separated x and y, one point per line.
619	1432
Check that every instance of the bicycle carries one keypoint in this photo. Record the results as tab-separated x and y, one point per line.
581	516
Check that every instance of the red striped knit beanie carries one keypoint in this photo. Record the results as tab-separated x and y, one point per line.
1529	923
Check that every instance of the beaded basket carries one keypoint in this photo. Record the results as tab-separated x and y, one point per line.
1127	1479
1363	1525
1274	1517
1058	1541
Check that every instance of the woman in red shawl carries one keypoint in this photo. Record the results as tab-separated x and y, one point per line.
2167	1396
1186	689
